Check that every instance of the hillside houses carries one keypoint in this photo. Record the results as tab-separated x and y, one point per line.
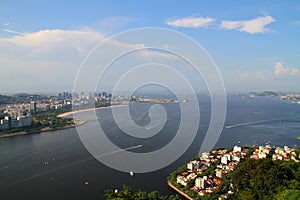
222	161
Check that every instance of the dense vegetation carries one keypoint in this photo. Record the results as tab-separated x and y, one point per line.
262	179
266	179
50	119
127	194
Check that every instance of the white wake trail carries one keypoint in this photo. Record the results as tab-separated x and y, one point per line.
71	164
255	122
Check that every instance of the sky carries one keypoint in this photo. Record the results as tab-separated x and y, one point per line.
254	44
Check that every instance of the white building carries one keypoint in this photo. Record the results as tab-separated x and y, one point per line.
200	182
182	180
237	149
287	149
262	155
236	158
205	155
193	165
21	121
219	173
279	150
224	160
228	156
191	176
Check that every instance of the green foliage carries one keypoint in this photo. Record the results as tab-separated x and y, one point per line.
172	177
265	179
128	194
50	119
288	194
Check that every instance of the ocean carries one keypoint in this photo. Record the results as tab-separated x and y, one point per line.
56	165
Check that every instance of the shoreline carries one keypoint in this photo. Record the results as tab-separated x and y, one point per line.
66	114
179	191
47	129
77	122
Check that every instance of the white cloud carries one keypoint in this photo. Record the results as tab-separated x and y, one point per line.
158	55
51	43
46	54
190	22
253	26
12	31
281	70
67	43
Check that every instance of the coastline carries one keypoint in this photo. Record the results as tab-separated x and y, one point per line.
66	114
47	129
179	191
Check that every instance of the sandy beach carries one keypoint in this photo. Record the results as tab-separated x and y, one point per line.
85	110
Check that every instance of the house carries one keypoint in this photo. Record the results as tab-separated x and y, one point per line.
193	165
219	173
262	155
200	182
182	180
224	160
191	176
237	149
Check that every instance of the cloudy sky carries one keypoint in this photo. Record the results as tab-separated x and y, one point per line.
255	44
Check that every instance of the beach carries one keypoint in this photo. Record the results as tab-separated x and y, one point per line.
85	110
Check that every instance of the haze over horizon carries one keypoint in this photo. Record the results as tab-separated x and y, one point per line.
254	44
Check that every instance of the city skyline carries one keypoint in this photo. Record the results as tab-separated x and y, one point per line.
255	45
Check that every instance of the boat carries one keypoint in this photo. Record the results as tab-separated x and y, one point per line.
131	173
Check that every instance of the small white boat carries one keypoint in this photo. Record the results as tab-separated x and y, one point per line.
131	173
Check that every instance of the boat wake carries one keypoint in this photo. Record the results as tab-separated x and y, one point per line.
255	122
70	165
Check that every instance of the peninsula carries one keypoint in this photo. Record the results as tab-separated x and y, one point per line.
262	172
23	113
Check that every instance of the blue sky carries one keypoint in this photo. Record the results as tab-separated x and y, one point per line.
255	44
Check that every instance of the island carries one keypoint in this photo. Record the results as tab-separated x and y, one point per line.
294	98
156	100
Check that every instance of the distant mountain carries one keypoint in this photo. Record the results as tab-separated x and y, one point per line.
269	93
20	98
6	99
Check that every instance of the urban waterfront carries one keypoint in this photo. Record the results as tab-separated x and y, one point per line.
56	165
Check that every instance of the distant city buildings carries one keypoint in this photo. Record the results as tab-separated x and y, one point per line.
294	98
16	111
10	122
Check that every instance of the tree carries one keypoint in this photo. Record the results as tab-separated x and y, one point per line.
128	194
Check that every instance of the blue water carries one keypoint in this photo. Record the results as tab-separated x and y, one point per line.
55	165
